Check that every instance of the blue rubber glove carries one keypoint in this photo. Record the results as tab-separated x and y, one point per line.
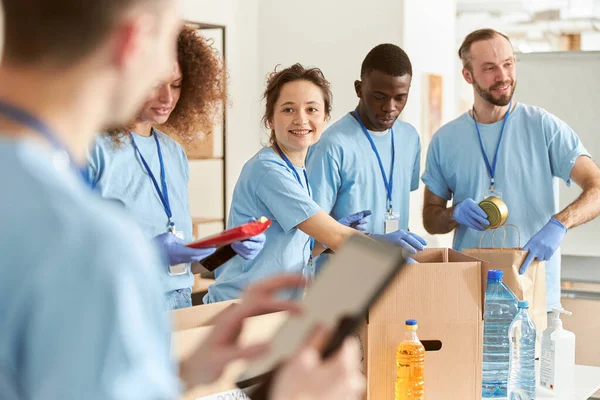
468	213
405	239
410	260
357	220
176	252
249	248
543	244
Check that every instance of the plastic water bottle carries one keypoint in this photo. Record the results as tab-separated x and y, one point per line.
500	310
521	379
410	360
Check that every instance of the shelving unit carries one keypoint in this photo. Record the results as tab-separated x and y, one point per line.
208	161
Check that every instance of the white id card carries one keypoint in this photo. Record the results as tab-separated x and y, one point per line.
391	222
495	192
179	269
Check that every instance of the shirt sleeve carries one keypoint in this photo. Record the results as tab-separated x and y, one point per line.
96	163
414	185
564	146
324	177
100	332
433	176
289	202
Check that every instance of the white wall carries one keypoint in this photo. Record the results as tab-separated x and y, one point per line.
336	39
590	41
332	35
265	33
429	39
240	17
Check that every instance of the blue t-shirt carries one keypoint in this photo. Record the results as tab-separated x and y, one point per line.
344	172
81	313
267	187
118	173
536	147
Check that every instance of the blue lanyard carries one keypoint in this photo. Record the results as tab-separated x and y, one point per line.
164	194
291	166
21	116
388	183
492	167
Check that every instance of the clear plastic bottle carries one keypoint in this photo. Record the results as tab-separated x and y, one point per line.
500	310
410	360
521	379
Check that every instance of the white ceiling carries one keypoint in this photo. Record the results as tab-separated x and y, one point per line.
529	16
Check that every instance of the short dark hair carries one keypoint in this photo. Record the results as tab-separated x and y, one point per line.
296	72
387	58
464	52
63	31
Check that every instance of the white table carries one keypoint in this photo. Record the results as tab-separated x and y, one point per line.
587	382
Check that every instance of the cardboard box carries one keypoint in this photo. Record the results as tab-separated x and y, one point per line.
197	316
443	293
201	284
256	330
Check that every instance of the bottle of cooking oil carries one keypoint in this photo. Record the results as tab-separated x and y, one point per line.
410	359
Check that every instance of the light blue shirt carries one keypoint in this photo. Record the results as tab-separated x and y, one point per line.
536	147
81	314
345	174
117	172
267	187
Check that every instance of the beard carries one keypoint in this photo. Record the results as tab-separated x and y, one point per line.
487	95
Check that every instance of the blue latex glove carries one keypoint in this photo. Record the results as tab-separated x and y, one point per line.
249	248
176	252
357	220
410	260
544	243
468	213
405	239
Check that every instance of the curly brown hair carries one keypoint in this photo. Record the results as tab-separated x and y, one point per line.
297	72
203	90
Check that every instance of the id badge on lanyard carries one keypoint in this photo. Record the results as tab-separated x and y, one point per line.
491	166
179	269
493	191
163	195
391	222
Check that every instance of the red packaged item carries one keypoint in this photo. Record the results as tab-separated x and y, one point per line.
237	234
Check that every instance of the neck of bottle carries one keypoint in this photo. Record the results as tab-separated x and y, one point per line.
411	335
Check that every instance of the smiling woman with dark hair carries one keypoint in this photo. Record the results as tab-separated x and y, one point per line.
274	184
147	170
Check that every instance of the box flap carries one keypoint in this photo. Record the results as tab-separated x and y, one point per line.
197	316
256	330
432	255
435	291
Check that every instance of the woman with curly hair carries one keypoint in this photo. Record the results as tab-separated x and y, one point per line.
147	170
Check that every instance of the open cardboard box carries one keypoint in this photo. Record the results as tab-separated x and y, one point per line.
444	294
197	316
256	330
